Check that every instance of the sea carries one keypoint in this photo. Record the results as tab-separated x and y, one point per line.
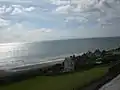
13	55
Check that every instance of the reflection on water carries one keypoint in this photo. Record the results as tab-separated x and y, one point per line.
20	54
7	52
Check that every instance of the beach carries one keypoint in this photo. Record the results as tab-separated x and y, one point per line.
26	68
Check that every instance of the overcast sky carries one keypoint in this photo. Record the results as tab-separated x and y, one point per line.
38	20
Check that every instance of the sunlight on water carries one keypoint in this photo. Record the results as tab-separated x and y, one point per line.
11	49
8	50
8	47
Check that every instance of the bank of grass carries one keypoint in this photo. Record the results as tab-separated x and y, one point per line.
62	82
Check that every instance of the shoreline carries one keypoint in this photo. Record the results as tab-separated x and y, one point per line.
27	68
49	62
41	64
45	60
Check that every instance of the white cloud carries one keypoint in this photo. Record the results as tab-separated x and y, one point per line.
40	30
9	9
58	13
77	18
87	10
60	2
21	33
88	5
63	9
2	9
45	30
17	1
29	9
4	23
16	11
77	5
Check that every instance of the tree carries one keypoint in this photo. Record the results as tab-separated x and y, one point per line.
103	53
118	49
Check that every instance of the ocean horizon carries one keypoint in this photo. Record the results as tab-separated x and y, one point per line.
14	55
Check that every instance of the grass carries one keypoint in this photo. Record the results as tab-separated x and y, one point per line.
62	82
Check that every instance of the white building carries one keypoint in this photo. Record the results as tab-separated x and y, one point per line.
69	65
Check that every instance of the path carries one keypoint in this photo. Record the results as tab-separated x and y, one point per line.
112	85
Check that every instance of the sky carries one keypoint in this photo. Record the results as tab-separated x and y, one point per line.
39	20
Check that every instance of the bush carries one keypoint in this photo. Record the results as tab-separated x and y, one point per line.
115	68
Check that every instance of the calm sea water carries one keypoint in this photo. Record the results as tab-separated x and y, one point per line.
17	54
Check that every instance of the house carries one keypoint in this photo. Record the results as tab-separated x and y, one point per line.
97	53
99	61
57	68
89	54
116	53
69	64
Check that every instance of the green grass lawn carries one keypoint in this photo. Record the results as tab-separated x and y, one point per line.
62	82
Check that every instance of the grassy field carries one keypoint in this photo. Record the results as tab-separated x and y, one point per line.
62	82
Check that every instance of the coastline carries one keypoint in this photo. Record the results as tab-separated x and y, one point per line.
48	62
41	64
25	68
33	70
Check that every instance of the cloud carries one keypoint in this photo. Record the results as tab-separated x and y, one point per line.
19	9
60	2
15	9
17	1
77	5
45	30
92	10
29	9
64	9
4	23
80	20
8	9
34	20
21	33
